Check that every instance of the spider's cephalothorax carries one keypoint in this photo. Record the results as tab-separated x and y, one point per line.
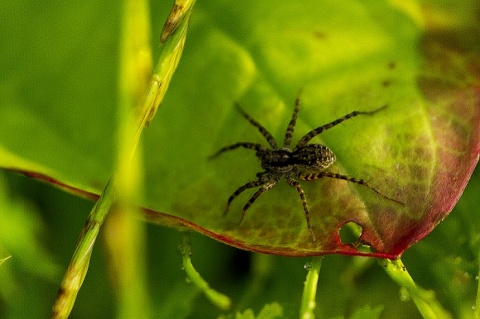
306	161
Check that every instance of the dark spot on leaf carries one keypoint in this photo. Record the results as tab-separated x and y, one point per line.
320	35
386	83
392	65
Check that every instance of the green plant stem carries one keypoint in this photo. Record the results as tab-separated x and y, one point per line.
126	245
217	298
310	290
180	11
124	234
77	269
425	301
167	63
173	38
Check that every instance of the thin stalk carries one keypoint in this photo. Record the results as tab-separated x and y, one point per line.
215	297
309	304
425	300
124	234
77	269
174	40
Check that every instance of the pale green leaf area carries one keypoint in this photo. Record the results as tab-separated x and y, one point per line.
58	98
58	91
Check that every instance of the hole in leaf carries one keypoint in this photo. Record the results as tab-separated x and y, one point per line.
350	233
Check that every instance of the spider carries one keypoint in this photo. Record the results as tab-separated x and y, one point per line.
306	161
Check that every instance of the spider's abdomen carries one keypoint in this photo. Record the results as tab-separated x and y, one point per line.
313	157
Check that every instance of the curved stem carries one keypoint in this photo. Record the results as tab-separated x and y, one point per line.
217	298
425	300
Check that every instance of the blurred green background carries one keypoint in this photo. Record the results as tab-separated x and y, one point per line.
58	54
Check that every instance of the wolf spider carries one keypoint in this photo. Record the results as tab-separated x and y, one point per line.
306	161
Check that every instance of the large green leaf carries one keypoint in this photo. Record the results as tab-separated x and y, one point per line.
351	56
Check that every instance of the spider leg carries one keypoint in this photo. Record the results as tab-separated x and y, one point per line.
252	146
240	190
307	137
291	125
266	187
318	175
301	193
259	126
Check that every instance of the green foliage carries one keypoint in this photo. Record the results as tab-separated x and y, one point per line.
366	312
270	311
24	260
